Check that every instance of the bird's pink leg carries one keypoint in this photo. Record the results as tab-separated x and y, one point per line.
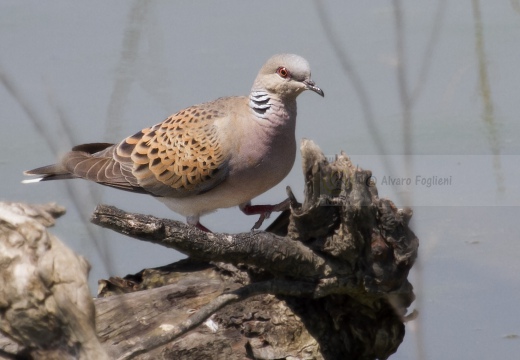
202	227
263	210
194	221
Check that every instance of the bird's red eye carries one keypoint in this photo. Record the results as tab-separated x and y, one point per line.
283	72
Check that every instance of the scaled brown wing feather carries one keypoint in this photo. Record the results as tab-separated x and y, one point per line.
179	157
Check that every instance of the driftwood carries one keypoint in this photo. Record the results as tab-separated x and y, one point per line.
329	283
46	311
328	280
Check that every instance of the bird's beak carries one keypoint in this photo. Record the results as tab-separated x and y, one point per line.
309	84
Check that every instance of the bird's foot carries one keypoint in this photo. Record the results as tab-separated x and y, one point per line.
263	210
199	226
194	221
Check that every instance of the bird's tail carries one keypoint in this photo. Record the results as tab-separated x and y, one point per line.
59	171
49	172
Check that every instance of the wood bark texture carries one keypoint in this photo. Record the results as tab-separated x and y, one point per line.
46	310
327	280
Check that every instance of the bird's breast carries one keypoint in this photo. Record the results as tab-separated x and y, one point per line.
263	158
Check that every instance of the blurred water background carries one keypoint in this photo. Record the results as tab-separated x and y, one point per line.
416	91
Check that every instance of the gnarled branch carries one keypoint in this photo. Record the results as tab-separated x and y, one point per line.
281	256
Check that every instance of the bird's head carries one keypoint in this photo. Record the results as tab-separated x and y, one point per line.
285	76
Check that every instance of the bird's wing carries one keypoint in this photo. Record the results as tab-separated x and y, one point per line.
181	156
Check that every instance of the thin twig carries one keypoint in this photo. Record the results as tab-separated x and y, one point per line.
38	122
127	65
487	99
429	51
351	73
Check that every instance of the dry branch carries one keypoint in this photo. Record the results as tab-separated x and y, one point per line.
255	248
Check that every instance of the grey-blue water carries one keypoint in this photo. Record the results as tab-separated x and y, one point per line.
74	72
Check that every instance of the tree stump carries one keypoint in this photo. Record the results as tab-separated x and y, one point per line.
328	280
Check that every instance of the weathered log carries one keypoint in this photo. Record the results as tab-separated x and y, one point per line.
334	287
46	311
328	282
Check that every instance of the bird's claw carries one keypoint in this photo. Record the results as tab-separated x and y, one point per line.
260	220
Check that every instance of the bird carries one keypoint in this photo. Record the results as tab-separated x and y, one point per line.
213	155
